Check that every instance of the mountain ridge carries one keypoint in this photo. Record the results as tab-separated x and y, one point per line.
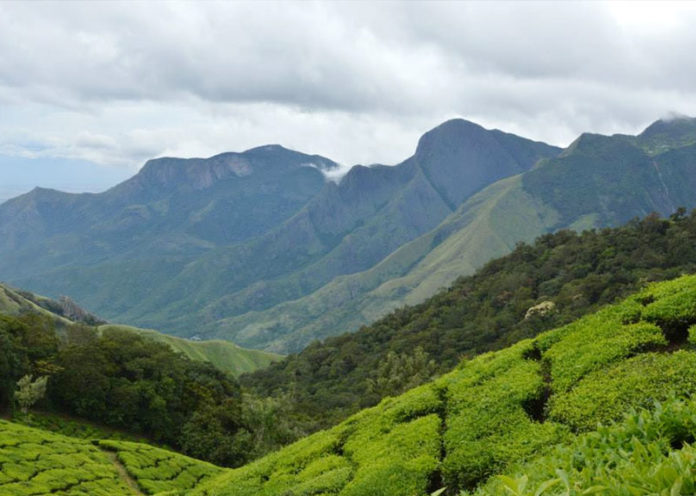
337	229
380	238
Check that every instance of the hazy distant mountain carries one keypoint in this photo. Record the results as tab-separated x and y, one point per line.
259	248
185	244
597	181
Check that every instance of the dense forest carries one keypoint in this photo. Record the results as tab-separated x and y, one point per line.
130	382
564	275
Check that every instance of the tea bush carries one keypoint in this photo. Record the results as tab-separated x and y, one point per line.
34	462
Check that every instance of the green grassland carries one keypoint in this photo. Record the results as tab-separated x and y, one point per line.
225	355
498	410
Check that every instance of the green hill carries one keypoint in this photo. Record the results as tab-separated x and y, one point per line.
225	355
507	407
222	354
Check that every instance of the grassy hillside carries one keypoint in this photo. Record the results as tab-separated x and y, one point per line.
523	420
504	408
223	354
36	462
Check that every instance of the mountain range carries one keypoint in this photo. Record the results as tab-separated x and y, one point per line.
260	248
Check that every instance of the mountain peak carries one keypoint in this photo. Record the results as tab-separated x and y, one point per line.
449	132
670	132
674	125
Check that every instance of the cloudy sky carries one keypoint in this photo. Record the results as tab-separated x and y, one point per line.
89	91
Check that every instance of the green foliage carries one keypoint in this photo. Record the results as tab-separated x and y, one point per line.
503	409
400	372
28	346
646	453
74	427
130	382
606	394
494	416
34	462
328	381
30	391
157	470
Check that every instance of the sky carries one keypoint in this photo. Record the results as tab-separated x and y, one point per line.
89	91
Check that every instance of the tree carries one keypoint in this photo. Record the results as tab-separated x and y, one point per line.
29	392
401	371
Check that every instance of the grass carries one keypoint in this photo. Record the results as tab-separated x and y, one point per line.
224	355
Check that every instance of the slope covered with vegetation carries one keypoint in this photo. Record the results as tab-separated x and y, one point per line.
64	312
507	407
224	355
575	272
35	462
135	384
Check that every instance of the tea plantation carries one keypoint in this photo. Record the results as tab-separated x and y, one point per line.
36	462
502	409
524	420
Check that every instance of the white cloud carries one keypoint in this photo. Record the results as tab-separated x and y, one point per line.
117	83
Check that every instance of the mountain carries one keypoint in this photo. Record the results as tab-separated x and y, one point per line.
598	181
65	313
187	245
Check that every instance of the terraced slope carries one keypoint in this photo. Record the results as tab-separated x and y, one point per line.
35	462
157	470
496	410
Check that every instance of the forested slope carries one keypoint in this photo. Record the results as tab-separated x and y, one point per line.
576	272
